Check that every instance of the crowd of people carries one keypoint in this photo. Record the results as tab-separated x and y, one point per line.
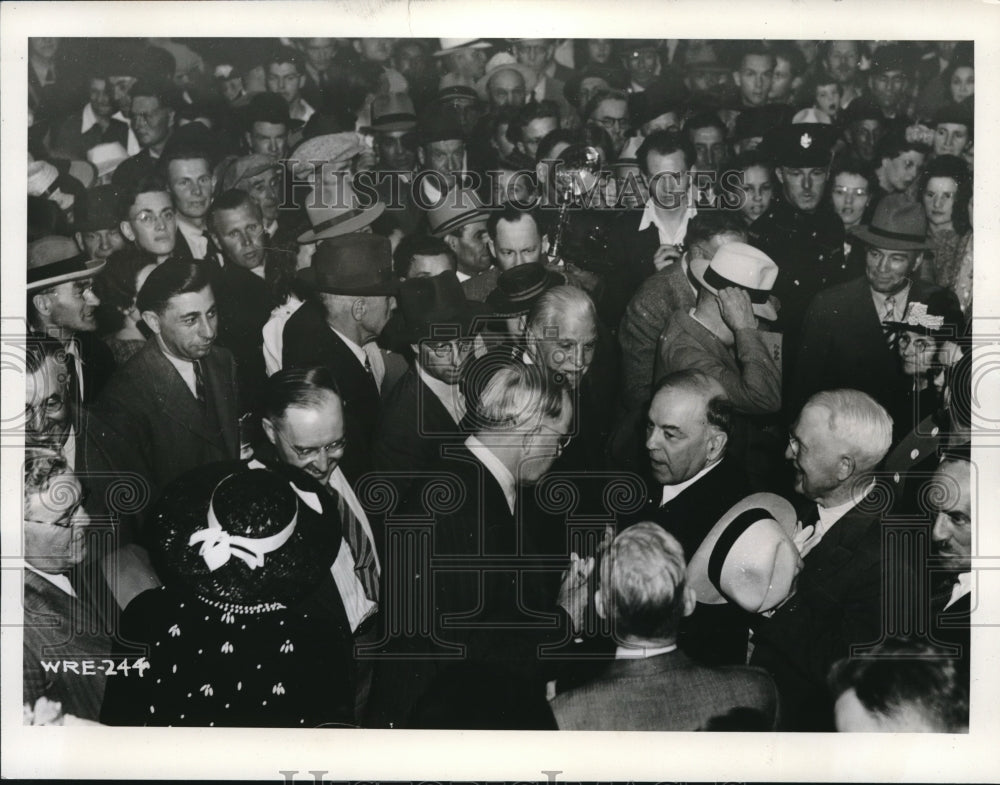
499	383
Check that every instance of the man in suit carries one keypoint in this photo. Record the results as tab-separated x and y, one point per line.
62	304
149	218
352	276
837	441
651	685
91	126
187	170
151	114
645	241
426	407
844	342
461	221
492	610
236	225
305	426
173	406
54	543
694	482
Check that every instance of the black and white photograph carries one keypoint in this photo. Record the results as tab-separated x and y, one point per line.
393	401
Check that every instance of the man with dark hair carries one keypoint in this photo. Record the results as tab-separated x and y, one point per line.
901	687
286	77
422	256
173	407
530	125
243	298
151	115
864	127
96	224
188	172
842	61
267	125
645	241
92	125
516	237
754	74
148	217
652	685
890	78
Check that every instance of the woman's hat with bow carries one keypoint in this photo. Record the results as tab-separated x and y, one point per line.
245	532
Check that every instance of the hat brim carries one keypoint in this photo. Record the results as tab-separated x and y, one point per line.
473	45
396	125
530	78
501	305
365	218
779	510
91	268
864	234
698	268
307	276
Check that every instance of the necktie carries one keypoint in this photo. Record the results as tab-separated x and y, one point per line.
73	379
807	537
199	382
890	310
361	548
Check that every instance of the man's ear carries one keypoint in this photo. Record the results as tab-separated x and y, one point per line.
489	244
359	308
717	445
919	261
246	138
779	174
78	236
545	245
845	467
269	431
736	78
690	599
602	611
452	242
126	229
41	303
522	323
152	320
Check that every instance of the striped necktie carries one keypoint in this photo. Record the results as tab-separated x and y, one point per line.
361	548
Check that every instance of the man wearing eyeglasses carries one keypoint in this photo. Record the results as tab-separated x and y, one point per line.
58	664
609	109
62	305
426	408
151	115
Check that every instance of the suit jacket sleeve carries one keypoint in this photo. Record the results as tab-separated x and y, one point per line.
639	331
757	389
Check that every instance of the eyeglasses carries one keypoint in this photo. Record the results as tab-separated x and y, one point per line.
64	521
308	453
563	438
842	190
51	405
919	344
443	348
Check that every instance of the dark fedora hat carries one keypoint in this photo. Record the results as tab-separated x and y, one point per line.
897	225
354	264
245	532
436	307
97	210
519	287
54	260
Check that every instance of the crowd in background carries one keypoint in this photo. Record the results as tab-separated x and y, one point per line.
499	383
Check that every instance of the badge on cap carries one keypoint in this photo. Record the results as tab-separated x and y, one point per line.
806	141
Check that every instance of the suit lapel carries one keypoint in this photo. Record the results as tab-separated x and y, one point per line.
173	395
217	374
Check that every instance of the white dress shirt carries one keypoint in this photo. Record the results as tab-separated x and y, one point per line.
898	304
196	239
60	581
186	369
667	236
963	586
642	652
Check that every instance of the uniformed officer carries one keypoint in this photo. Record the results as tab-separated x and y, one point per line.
800	231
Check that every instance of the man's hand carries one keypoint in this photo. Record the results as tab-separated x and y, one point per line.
666	255
736	308
573	590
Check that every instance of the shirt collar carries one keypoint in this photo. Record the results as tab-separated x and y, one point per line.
830	515
356	350
667	237
962	586
449	394
59	580
899	304
642	652
87	119
671	492
495	467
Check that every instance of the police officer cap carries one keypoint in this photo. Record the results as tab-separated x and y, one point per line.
800	144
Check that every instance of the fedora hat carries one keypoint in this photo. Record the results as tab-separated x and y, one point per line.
358	264
245	532
742	266
749	557
41	178
502	61
334	150
449	45
897	225
336	220
54	260
519	287
435	302
458	208
233	171
106	157
393	112
97	209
